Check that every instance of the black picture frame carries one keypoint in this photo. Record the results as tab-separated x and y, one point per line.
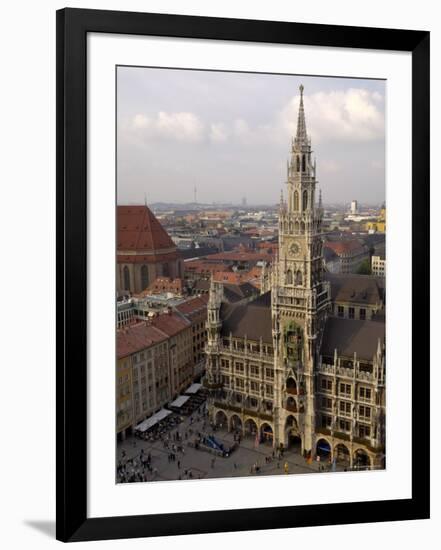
71	429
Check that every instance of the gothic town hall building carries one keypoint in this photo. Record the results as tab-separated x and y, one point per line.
282	367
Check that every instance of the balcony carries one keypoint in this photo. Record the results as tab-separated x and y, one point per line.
342	435
291	391
291	408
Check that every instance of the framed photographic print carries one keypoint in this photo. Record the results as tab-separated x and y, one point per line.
229	193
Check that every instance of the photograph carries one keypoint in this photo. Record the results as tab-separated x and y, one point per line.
250	269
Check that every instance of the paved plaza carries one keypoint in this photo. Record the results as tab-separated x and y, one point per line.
190	463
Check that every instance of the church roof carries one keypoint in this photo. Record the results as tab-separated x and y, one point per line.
139	230
252	319
350	336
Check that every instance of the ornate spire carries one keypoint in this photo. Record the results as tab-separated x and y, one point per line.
301	124
320	205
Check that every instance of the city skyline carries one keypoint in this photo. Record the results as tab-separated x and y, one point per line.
227	134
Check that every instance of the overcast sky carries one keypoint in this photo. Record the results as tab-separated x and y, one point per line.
229	134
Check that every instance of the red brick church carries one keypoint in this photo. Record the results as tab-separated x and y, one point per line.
145	251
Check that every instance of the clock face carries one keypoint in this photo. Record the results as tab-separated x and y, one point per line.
294	249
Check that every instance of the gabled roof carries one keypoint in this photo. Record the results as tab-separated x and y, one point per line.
349	336
170	323
136	338
252	319
138	229
194	305
360	289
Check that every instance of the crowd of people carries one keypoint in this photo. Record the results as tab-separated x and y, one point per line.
139	468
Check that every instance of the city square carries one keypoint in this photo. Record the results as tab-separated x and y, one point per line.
249	458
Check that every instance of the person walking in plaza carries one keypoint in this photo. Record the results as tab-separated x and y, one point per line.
286	468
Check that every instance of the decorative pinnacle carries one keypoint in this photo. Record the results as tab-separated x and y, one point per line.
301	124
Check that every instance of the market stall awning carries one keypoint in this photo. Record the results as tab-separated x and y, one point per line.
194	388
180	401
152	420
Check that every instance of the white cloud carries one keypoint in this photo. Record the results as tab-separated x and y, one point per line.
218	132
351	115
181	126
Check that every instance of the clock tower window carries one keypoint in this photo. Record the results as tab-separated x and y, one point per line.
305	200
296	200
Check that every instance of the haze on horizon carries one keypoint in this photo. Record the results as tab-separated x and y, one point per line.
229	135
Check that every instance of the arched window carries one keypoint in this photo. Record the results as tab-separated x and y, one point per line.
290	227
126	276
165	270
305	200
144	277
296	200
299	278
298	163
289	277
303	163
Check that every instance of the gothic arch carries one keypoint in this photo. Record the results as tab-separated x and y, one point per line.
296	200
221	419
361	459
291	386
144	277
266	433
299	278
342	454
126	276
250	427
303	163
289	277
296	227
305	200
291	404
297	163
291	422
323	448
235	423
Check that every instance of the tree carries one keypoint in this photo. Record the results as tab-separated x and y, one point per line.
364	268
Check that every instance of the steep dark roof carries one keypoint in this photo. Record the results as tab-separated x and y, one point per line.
360	289
235	293
349	336
252	319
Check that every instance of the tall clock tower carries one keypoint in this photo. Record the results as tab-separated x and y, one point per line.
300	297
